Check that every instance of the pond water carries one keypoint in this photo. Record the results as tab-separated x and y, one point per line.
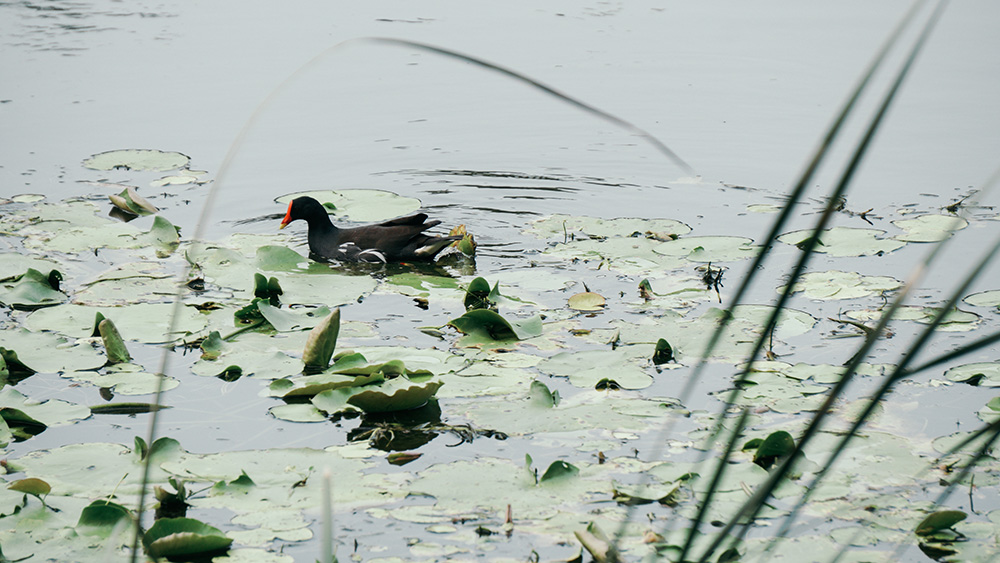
740	91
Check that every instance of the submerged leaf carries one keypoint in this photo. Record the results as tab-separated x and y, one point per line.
32	290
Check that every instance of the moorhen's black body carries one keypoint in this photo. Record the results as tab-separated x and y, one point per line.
399	240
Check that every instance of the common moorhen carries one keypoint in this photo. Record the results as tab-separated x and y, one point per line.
399	240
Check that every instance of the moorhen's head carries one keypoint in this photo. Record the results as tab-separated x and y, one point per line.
305	208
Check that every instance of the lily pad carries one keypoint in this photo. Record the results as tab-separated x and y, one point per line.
834	284
50	353
183	537
708	249
573	227
137	159
587	301
625	364
929	228
846	241
954	321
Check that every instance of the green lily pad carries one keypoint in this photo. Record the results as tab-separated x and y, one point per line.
708	249
834	284
940	520
989	298
130	201
986	374
846	241
180	537
50	353
397	394
954	321
929	228
587	301
360	205
625	364
137	159
144	322
489	326
571	227
32	290
124	379
52	412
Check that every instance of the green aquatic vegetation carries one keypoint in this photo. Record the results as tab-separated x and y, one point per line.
32	290
846	241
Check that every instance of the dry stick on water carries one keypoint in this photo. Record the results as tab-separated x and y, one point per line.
237	145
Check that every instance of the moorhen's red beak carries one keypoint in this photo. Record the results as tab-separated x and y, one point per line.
288	217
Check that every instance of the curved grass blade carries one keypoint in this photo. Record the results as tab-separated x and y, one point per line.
749	510
796	194
234	149
544	88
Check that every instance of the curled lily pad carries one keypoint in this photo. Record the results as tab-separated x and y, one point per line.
399	394
929	228
137	159
708	249
182	537
32	290
130	201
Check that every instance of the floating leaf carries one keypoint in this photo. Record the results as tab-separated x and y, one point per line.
397	394
101	518
183	537
32	290
940	520
834	284
559	469
587	301
708	249
846	241
31	486
490	325
776	445
137	159
929	228
479	295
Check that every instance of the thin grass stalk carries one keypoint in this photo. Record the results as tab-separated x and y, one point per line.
237	145
898	374
818	156
900	371
993	430
713	486
753	506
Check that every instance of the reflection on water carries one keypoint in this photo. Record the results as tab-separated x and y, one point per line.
65	26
